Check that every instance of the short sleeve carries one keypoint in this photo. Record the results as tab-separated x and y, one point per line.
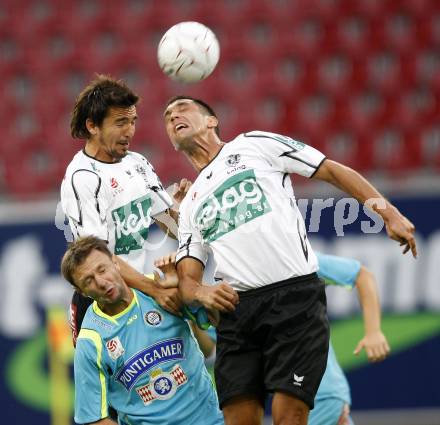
286	154
85	204
341	271
161	201
90	383
190	239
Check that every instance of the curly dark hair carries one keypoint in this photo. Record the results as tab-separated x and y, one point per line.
95	100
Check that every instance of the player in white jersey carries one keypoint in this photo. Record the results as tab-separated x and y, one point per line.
112	193
242	209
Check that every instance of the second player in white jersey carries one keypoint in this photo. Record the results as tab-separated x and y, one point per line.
115	202
243	205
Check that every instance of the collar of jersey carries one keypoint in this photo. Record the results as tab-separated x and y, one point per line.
114	318
103	162
212	160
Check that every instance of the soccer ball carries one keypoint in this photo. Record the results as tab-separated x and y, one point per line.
188	52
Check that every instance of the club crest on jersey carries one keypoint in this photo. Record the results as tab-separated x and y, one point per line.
114	348
233	160
162	385
140	169
113	183
149	358
153	318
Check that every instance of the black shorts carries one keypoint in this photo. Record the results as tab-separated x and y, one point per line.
275	341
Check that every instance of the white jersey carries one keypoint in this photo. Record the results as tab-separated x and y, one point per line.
242	209
115	202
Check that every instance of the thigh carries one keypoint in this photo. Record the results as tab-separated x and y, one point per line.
328	411
295	352
238	364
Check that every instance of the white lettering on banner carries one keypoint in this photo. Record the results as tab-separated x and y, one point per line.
405	284
22	268
340	220
398	276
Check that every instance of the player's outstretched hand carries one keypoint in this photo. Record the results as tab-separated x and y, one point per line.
221	297
180	190
169	299
402	230
375	345
167	265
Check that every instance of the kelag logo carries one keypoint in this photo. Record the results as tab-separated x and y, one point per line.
237	201
131	225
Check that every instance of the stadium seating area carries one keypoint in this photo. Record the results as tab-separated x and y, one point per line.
359	79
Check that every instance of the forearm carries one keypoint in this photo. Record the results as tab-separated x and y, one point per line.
369	300
188	289
137	280
167	222
352	183
206	344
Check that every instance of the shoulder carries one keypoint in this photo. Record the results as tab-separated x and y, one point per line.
136	157
259	137
79	161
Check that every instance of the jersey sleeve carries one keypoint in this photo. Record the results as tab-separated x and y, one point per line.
91	402
190	239
286	154
85	204
161	201
341	271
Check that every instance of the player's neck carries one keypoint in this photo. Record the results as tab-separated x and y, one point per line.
119	306
95	151
203	151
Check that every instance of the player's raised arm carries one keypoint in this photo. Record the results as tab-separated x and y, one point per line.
398	227
167	297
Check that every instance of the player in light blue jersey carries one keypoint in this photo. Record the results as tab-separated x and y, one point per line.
333	400
131	354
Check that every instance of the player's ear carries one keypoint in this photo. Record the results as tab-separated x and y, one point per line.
78	289
91	127
212	121
116	263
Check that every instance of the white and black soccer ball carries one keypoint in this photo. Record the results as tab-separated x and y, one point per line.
188	52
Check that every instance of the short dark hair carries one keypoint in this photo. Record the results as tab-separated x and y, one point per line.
204	107
77	253
95	100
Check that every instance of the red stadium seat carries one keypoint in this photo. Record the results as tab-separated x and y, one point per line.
31	169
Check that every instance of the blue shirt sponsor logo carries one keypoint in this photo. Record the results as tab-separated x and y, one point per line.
164	351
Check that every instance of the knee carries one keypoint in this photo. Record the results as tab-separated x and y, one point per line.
294	416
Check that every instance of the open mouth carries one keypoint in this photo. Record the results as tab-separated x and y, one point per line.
180	126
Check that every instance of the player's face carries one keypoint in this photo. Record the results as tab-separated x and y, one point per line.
98	277
183	121
115	133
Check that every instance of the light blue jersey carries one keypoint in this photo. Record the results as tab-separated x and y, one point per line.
146	364
343	272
